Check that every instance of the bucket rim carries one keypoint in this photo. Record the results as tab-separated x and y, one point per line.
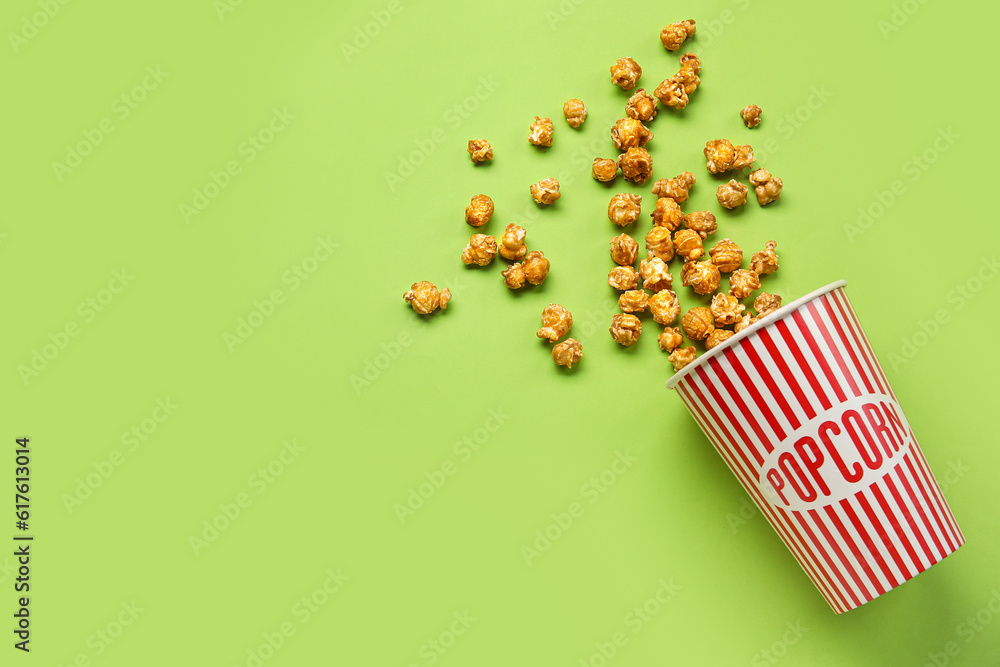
676	378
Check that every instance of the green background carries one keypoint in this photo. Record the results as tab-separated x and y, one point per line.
433	384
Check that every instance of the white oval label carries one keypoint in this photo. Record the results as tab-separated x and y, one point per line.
836	454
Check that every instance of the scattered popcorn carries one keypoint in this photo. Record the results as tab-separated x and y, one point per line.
511	244
673	35
676	188
480	150
687	244
691	61
702	222
766	261
480	250
479	211
722	156
575	112
567	353
726	255
667	214
665	307
655	274
636	165
672	93
625	73
623	278
732	194
556	322
513	276
604	169
670	339
717	337
641	106
751	115
659	243
726	309
541	131
765	304
702	277
625	329
766	187
681	357
425	298
742	283
624	208
633	301
535	267
698	323
743	322
624	250
629	133
545	191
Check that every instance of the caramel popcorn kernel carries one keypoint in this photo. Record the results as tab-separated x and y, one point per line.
604	169
691	61
556	322
633	301
698	323
673	35
676	188
629	133
743	321
636	165
766	261
567	353
425	298
511	244
722	156
480	150
726	309
480	250
766	187
765	304
682	356
575	112
667	214
624	208
624	249
655	274
726	255
541	131
717	337
670	339
751	115
732	194
535	267
479	211
513	276
687	244
545	191
742	283
665	307
623	278
641	106
625	329
659	244
625	73
702	222
672	93
702	277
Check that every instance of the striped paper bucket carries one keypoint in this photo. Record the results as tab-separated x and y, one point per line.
800	409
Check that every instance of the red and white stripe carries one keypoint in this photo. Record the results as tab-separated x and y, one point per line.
755	392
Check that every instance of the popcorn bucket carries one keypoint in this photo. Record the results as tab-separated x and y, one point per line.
800	409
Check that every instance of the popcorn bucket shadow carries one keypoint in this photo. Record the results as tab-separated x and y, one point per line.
801	411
